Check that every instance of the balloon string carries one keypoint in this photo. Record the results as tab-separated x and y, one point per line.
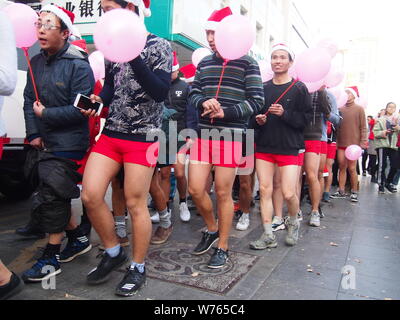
220	81
284	93
31	72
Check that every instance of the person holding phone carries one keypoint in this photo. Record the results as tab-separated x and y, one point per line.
59	132
386	131
135	92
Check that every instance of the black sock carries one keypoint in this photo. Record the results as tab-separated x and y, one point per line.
51	250
182	200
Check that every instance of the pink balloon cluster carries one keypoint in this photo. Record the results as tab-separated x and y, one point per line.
23	19
353	152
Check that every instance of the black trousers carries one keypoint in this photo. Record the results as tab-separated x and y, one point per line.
386	156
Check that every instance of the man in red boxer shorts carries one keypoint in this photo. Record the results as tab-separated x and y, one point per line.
226	107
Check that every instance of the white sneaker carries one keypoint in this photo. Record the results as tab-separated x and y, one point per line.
184	212
300	216
315	220
278	224
155	218
244	222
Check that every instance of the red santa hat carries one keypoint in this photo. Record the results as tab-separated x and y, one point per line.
143	5
354	91
216	17
189	72
175	64
66	16
81	44
284	47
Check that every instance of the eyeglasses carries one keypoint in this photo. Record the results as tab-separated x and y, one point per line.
46	26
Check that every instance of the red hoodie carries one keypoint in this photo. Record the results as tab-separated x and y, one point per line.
371	125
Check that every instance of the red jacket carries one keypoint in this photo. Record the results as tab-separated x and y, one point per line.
371	125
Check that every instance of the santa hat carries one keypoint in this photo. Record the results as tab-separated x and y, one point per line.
81	44
189	72
216	17
143	5
175	64
284	47
66	16
354	91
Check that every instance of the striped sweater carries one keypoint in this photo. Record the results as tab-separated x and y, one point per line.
241	94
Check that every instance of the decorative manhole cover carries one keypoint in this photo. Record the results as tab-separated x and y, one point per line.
174	262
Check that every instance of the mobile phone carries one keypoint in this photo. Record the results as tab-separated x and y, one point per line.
84	103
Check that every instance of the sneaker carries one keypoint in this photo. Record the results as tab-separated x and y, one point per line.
43	269
30	231
338	195
381	190
107	264
161	235
315	220
265	242
155	218
391	188
75	248
244	222
354	197
278	224
293	233
218	259
364	173
326	197
131	283
184	212
12	288
300	216
123	242
321	213
206	242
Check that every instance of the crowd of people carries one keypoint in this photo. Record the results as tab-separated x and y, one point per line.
223	118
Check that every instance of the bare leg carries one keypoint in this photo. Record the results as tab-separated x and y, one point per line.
277	196
311	166
342	170
289	181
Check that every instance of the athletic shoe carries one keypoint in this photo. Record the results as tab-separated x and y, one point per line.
293	233
354	197
184	212
218	259
131	283
391	188
315	220
161	235
206	242
43	269
338	195
300	216
244	222
30	231
278	224
381	190
155	218
265	242
326	197
321	213
75	248
364	173
12	288
107	264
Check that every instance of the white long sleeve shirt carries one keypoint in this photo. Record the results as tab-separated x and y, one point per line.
8	63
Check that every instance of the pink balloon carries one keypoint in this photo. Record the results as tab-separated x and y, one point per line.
353	152
96	60
22	18
314	86
342	100
120	35
330	45
313	65
334	78
234	37
266	71
199	54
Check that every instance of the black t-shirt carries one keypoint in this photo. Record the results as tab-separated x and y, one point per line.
284	135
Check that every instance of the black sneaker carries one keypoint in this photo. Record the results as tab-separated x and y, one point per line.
30	231
12	288
131	283
45	268
391	188
107	264
218	259
74	248
206	242
381	190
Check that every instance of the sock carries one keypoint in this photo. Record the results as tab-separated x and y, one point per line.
182	200
120	226
165	219
268	229
139	266
113	252
209	232
52	250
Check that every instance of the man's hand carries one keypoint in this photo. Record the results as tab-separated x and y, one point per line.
261	119
211	106
37	143
220	114
276	109
38	108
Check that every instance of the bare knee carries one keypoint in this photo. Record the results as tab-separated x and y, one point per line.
266	191
289	195
223	195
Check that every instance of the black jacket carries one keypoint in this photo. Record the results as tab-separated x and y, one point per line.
178	100
59	78
284	135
